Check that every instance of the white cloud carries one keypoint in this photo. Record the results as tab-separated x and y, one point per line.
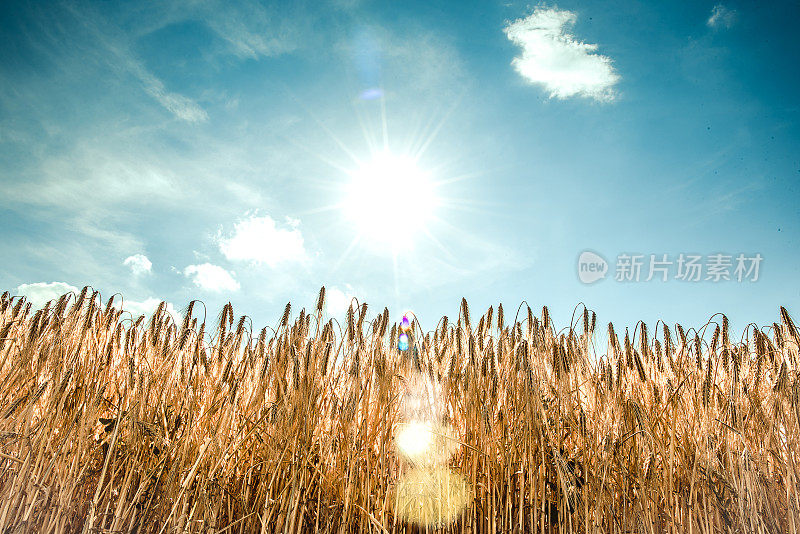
211	277
39	293
721	16
258	239
147	307
337	301
553	58
139	264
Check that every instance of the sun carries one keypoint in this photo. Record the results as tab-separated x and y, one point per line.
389	199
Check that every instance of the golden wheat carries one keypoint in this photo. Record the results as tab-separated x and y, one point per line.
109	424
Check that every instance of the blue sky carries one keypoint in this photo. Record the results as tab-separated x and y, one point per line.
206	150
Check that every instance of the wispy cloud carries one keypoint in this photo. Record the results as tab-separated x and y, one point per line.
98	169
40	293
97	153
115	50
91	191
722	17
488	258
261	241
416	64
211	277
251	28
179	105
139	264
553	58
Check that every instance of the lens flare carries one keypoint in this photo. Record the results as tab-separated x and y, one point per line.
426	443
373	93
414	439
432	497
402	342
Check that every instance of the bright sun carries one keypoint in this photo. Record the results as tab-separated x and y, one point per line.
389	199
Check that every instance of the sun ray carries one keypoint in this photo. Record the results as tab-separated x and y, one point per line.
419	151
319	156
384	125
338	263
438	243
322	125
456	178
321	209
363	123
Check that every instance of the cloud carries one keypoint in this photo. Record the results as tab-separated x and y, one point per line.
139	264
259	240
118	55
252	29
39	293
211	277
553	58
181	106
337	300
147	307
83	174
721	16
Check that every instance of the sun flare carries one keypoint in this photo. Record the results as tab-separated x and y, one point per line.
389	199
415	438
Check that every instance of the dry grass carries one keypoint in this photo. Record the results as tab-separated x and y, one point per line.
112	425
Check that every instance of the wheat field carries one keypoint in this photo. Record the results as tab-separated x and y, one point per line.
487	424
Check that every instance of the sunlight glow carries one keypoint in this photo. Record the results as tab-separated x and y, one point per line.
415	438
389	199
